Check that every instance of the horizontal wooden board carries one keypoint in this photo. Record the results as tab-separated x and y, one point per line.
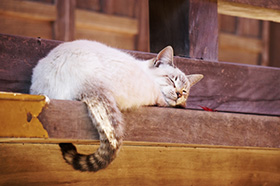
98	21
236	8
225	87
42	164
271	4
28	10
170	125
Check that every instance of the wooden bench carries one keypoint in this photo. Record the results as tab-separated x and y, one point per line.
238	145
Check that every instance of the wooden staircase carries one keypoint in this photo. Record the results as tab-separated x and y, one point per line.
238	145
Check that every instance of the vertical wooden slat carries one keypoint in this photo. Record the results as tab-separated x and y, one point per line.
143	37
274	44
265	43
108	6
203	29
64	26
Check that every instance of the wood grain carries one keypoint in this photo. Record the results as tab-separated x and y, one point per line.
27	9
225	87
170	125
203	29
42	164
229	7
271	4
64	26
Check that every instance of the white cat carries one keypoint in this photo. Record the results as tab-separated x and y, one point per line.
108	81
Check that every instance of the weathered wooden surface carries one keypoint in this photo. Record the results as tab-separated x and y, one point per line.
225	87
168	125
203	29
142	164
271	4
65	21
251	9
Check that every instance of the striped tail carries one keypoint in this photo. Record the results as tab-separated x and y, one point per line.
108	121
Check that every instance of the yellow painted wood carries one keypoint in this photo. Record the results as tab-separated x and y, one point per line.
142	164
248	11
18	115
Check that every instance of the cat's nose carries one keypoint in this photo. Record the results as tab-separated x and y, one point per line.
178	94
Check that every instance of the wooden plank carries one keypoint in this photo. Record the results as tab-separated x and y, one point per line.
249	27
114	39
226	87
203	29
23	120
38	164
92	5
237	55
167	125
249	44
28	10
22	26
271	4
188	126
265	43
191	27
103	22
229	7
64	26
227	23
274	44
143	37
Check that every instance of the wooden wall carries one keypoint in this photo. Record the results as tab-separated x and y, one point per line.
243	40
120	23
249	31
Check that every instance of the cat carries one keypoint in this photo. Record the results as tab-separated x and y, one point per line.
108	81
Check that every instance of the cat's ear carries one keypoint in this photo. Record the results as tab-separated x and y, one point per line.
165	56
194	78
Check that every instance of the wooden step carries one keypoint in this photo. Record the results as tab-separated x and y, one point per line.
141	164
238	145
225	87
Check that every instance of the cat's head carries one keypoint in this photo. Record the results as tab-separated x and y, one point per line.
174	84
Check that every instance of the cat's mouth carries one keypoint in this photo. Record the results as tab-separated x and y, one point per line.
178	103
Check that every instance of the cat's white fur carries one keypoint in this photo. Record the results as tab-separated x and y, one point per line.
132	82
108	80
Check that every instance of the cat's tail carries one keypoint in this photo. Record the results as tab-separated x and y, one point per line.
108	121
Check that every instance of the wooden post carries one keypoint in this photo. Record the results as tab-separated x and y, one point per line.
190	26
64	25
143	37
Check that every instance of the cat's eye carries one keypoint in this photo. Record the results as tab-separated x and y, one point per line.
176	78
184	91
172	82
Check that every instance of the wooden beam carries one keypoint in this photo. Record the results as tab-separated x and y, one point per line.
103	22
274	44
230	41
64	26
271	4
167	125
203	29
190	26
142	164
229	7
28	10
152	124
226	87
143	36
